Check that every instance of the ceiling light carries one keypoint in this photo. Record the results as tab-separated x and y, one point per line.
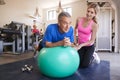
59	10
36	14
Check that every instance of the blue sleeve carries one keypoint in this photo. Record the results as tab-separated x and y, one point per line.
47	36
72	35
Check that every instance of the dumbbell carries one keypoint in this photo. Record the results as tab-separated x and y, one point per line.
27	68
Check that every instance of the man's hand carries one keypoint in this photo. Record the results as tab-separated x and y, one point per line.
66	42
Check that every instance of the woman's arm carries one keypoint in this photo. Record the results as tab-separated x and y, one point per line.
76	31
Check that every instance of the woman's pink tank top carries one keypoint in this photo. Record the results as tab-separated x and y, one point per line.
84	33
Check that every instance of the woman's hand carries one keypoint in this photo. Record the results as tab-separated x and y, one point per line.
77	47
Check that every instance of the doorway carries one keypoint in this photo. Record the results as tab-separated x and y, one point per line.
104	39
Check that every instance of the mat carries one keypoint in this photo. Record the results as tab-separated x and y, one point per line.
12	71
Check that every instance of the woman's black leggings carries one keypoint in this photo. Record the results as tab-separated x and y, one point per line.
85	54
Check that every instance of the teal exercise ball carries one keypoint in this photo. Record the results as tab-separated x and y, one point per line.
58	62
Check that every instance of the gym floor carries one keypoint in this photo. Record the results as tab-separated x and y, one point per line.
113	58
9	57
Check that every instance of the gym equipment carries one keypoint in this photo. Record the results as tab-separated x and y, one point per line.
58	62
7	38
27	68
21	39
28	38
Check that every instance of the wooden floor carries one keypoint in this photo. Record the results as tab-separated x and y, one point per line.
8	57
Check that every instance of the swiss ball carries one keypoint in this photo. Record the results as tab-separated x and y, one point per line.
58	62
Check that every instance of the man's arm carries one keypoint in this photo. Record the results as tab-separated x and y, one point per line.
64	42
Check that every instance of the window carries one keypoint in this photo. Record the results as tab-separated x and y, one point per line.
68	9
52	14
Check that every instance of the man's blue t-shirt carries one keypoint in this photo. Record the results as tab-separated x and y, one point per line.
53	34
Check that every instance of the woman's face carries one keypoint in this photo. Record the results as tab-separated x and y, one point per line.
90	13
64	24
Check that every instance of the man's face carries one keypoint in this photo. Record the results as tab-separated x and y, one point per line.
64	24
